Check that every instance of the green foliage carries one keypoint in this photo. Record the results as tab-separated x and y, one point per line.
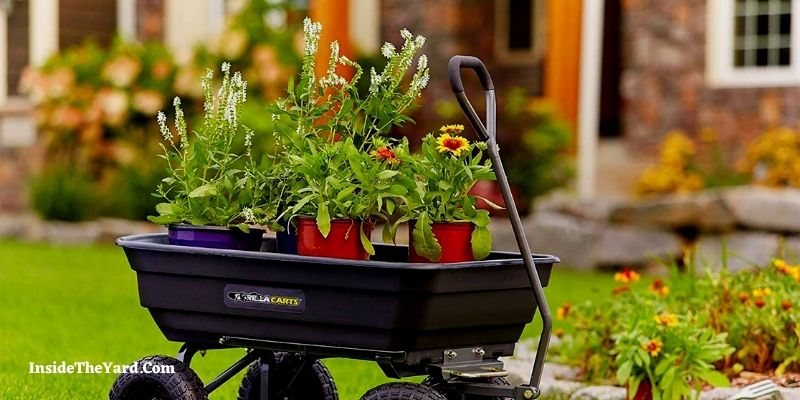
687	329
445	171
207	182
62	193
538	162
125	193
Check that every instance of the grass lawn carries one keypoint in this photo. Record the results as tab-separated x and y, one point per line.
81	304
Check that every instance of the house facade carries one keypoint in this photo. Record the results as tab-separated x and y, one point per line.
621	72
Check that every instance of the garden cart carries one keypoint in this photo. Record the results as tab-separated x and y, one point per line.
449	322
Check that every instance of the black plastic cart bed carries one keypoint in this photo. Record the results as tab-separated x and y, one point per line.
448	321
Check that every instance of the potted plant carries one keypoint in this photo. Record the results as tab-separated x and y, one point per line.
665	356
445	224
209	192
333	162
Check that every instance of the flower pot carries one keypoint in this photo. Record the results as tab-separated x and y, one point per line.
643	392
215	237
455	239
287	240
343	240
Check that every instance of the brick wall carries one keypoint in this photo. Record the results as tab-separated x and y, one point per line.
663	81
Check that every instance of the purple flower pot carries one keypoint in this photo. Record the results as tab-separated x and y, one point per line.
215	237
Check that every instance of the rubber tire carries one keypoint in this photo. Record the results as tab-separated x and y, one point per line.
402	391
184	384
493	381
315	383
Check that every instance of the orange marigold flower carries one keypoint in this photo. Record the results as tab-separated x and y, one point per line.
627	275
786	305
760	303
384	153
563	311
454	129
452	144
762	292
559	332
744	297
658	287
653	346
666	319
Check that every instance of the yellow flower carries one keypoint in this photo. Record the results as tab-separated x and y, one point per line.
563	311
627	276
762	292
452	129
666	319
653	346
452	144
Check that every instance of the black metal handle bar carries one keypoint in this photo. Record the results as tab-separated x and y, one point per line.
488	134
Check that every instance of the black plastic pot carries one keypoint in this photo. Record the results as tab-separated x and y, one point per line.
215	237
287	240
199	295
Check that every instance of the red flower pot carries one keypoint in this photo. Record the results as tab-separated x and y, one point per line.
343	240
455	239
643	392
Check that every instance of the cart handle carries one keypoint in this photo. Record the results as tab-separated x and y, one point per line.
487	133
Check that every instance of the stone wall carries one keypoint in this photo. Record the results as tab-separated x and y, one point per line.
453	27
663	84
749	224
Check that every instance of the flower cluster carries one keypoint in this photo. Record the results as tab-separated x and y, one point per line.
732	322
773	158
676	171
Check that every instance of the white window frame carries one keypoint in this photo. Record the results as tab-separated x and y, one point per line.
720	71
503	53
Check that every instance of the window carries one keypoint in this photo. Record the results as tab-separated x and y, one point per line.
753	43
519	33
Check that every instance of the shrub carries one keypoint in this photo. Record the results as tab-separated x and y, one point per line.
63	194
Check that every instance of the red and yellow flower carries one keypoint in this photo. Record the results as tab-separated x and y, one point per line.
658	287
786	305
627	275
386	154
653	346
563	311
452	144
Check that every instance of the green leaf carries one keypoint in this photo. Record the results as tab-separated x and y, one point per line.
481	242
386	174
481	219
365	241
624	372
167	208
345	192
424	242
714	378
398	190
204	191
243	227
323	220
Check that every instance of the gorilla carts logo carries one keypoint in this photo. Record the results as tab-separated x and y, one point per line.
254	297
272	299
